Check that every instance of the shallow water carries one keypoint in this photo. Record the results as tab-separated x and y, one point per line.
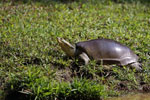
140	96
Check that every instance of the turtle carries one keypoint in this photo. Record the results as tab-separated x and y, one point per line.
102	50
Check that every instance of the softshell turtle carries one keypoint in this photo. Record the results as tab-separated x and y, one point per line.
106	50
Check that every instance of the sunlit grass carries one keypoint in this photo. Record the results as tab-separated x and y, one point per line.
30	58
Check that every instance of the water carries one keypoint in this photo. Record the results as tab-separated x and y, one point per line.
140	96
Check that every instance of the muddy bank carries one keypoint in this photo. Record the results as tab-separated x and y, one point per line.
140	96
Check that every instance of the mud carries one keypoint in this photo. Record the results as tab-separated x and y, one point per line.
140	96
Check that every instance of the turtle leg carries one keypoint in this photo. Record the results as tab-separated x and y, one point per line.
137	66
84	57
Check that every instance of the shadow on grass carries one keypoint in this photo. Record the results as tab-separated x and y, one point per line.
14	95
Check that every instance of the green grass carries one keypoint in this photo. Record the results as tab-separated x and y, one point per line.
30	58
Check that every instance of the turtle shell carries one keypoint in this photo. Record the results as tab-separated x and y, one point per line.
106	50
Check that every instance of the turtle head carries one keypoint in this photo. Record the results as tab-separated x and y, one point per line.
66	47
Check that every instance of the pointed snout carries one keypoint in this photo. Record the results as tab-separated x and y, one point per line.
59	39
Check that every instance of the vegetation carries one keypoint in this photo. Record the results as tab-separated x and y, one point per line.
32	65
